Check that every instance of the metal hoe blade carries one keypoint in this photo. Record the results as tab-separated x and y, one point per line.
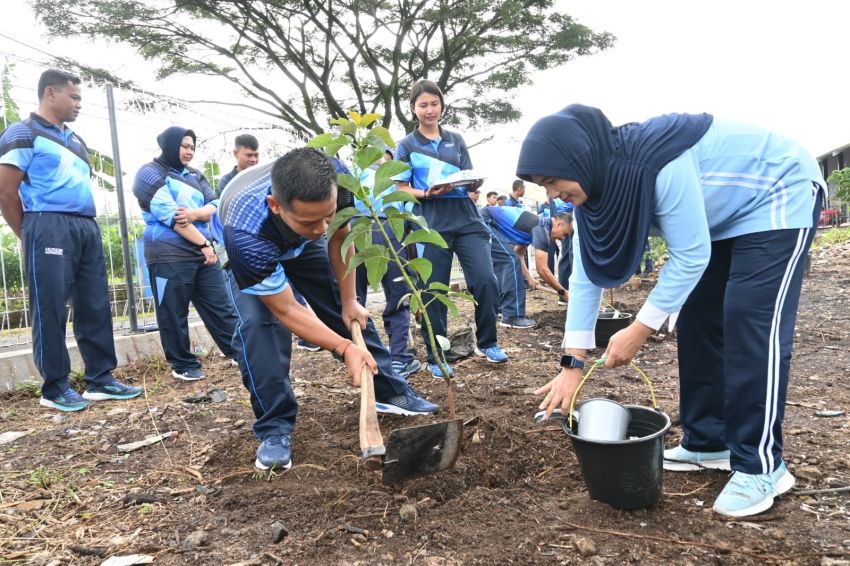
422	450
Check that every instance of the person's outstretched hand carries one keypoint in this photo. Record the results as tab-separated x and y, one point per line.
625	344
559	392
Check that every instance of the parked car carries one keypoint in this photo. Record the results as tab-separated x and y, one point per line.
828	217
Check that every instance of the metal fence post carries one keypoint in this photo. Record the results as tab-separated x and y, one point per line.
122	212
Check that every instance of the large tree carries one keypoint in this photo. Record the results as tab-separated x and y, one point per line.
304	61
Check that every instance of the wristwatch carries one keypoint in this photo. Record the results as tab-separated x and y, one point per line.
570	361
206	244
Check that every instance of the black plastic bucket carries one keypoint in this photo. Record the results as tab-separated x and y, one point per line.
625	474
607	326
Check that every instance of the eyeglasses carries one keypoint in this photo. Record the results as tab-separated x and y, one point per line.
187	146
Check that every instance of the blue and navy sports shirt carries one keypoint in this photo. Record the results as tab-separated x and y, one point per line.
225	179
511	201
432	160
255	239
540	236
367	179
515	224
556	206
161	190
57	172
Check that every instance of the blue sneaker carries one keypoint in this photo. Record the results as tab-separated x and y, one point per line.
749	494
405	370
408	404
493	354
679	459
68	401
275	452
437	373
112	390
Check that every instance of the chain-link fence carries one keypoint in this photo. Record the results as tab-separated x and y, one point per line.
140	117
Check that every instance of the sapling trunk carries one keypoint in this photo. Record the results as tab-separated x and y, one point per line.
368	148
417	292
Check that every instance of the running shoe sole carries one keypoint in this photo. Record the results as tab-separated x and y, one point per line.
184	377
98	396
388	409
685	466
481	354
785	483
508	325
260	466
64	408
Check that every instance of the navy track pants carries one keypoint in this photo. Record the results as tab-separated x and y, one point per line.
64	263
735	334
264	346
174	285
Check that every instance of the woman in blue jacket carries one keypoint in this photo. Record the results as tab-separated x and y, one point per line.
737	206
434	153
177	203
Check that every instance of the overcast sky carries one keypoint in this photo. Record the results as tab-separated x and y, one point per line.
781	64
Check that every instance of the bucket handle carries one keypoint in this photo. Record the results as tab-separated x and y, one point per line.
599	363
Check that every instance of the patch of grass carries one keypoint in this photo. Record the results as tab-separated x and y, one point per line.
833	236
269	475
77	377
44	477
145	509
155	363
29	388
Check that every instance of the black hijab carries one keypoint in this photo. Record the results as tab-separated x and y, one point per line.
169	142
617	168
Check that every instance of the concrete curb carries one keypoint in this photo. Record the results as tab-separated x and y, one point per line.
17	367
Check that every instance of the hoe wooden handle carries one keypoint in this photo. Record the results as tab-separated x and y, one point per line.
371	440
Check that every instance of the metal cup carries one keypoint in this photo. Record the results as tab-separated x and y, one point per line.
602	420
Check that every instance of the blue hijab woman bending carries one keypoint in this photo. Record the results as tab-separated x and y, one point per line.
737	207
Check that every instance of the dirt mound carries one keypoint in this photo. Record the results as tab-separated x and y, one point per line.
69	495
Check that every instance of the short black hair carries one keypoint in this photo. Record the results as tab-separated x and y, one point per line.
565	217
56	78
492	194
517	184
502	198
305	174
246	140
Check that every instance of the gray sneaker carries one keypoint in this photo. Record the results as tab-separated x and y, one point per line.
193	374
517	322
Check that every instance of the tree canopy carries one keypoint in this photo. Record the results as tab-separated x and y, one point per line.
10	111
306	61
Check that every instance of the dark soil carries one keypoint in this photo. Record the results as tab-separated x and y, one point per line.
516	495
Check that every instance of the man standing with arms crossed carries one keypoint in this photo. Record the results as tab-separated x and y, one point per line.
46	198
